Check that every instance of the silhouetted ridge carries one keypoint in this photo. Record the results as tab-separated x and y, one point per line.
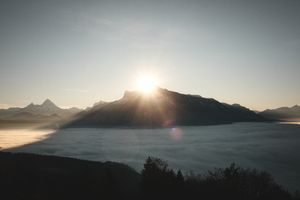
30	176
162	108
283	113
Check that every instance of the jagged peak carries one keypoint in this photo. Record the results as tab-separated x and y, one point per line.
30	105
48	103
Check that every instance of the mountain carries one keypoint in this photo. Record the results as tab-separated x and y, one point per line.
49	108
283	113
163	108
47	112
46	108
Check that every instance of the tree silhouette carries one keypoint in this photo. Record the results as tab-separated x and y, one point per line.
233	182
158	181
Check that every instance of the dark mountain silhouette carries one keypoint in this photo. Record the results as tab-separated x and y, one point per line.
163	108
47	112
97	105
283	113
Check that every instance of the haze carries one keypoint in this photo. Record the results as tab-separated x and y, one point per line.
80	52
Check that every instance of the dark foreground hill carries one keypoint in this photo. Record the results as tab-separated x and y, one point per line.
35	177
28	176
162	108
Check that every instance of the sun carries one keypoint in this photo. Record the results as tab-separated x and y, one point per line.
147	84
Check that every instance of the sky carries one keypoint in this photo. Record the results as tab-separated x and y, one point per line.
79	52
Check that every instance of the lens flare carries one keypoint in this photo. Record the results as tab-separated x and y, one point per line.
147	84
176	133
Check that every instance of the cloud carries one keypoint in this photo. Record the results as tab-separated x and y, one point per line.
193	148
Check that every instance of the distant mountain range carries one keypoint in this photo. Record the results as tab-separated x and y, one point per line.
45	113
283	113
163	108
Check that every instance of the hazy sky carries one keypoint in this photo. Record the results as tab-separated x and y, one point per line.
80	52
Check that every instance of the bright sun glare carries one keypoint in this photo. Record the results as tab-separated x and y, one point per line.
147	84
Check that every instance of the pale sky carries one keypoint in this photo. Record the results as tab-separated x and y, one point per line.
79	52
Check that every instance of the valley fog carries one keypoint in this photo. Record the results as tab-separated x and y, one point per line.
267	146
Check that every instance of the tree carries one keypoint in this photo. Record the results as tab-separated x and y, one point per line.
157	179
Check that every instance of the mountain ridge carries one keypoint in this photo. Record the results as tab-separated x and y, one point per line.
44	113
283	113
163	108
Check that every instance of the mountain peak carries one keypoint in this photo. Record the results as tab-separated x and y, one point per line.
29	106
48	103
